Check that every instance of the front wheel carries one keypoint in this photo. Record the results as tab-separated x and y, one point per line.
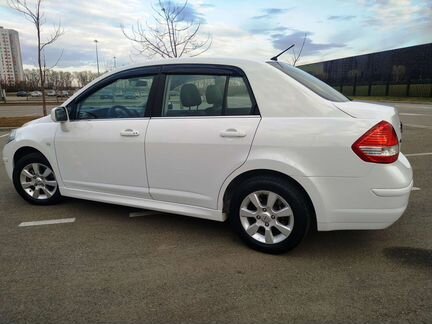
35	180
269	214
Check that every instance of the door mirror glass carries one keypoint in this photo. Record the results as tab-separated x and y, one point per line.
59	114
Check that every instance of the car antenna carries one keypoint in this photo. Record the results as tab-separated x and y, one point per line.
274	58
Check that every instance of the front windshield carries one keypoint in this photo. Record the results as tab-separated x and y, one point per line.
320	88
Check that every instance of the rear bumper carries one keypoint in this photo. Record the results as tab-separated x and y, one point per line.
372	202
370	218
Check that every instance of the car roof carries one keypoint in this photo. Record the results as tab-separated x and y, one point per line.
194	60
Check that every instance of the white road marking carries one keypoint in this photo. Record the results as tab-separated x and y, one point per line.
48	222
418	154
415	189
418	126
143	213
4	135
412	114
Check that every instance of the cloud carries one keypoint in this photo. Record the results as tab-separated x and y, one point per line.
341	17
388	14
282	41
266	29
207	5
270	12
188	12
256	25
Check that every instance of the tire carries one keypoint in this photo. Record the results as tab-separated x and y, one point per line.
35	181
289	208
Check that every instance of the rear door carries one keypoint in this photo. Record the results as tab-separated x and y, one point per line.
201	132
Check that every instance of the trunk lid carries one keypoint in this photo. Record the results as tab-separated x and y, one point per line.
364	110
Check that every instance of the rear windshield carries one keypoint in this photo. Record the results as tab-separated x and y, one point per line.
320	88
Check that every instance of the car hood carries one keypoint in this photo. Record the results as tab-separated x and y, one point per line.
363	110
46	119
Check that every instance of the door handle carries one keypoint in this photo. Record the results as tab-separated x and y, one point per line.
232	132
129	133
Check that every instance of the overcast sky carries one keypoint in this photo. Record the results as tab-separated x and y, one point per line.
254	29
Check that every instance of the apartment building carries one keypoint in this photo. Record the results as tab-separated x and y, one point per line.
11	67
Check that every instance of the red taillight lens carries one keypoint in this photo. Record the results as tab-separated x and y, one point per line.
380	144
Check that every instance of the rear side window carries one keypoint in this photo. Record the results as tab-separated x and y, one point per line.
206	95
238	100
320	88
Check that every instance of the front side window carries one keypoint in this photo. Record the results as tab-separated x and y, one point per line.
206	95
320	88
124	98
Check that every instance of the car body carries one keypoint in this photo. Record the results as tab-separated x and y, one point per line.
22	93
63	93
51	93
223	138
36	94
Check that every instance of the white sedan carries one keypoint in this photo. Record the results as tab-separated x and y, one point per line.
262	144
36	94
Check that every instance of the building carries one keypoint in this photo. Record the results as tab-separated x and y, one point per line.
399	72
11	67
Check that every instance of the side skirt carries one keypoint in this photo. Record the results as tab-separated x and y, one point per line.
162	206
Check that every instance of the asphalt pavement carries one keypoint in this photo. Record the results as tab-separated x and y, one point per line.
104	266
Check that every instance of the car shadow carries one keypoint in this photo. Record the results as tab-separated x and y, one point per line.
315	244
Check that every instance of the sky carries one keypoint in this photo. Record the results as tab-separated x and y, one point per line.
253	29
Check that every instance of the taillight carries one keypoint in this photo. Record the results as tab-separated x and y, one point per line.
380	144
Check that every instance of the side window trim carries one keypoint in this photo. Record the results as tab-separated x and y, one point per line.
201	69
225	96
255	109
136	72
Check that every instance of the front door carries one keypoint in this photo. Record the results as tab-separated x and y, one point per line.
102	148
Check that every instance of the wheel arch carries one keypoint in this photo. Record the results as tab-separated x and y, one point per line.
234	183
25	150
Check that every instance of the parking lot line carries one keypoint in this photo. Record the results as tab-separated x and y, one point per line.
47	222
418	154
415	189
418	126
143	213
4	135
413	114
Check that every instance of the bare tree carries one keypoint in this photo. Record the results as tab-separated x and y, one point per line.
84	77
34	14
296	55
170	34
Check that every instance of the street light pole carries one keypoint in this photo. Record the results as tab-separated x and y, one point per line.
115	64
97	56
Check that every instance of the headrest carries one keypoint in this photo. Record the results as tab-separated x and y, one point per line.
189	95
214	95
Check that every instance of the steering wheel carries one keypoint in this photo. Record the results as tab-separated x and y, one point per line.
119	111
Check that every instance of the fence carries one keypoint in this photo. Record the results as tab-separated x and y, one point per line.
412	88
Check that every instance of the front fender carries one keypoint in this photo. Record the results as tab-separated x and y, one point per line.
38	136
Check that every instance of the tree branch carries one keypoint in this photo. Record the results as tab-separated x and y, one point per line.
168	35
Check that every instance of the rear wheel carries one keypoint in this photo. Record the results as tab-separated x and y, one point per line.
35	180
269	214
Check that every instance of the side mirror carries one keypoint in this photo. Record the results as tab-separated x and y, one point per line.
59	114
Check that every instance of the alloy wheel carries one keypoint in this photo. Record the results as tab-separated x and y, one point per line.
266	217
38	181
